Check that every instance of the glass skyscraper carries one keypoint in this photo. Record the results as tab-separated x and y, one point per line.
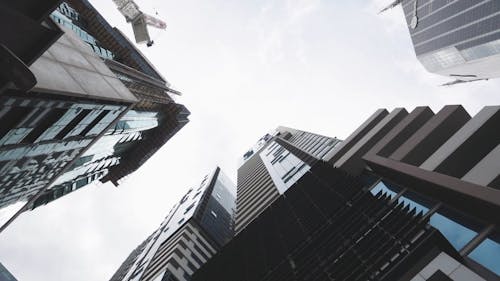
80	105
460	39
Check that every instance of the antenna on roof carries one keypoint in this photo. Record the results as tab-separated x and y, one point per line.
140	21
394	4
458	81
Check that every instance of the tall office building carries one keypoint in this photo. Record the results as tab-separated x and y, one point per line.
78	103
268	169
193	231
427	181
460	39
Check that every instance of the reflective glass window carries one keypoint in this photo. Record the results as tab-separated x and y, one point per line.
457	228
488	253
386	188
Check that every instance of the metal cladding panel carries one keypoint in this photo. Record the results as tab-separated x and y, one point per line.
487	170
352	160
468	146
431	135
256	191
444	23
404	130
70	68
359	133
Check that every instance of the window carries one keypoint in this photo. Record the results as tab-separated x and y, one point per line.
46	122
188	208
213	214
458	229
488	253
180	221
12	118
93	123
71	125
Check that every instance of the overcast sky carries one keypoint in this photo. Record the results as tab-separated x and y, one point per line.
244	67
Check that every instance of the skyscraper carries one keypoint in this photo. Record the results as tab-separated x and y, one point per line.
433	177
80	104
459	39
193	231
268	169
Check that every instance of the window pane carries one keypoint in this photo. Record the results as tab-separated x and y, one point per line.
390	190
488	253
457	233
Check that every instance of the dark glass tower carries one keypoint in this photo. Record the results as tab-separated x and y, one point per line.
407	196
460	39
66	116
193	231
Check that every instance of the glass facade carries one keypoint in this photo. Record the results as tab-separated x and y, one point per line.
488	253
457	231
104	154
444	23
218	216
40	137
67	17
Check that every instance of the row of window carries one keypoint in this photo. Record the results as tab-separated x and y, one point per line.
284	167
57	123
458	228
85	36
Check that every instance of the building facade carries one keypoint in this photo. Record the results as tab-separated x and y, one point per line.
327	226
268	169
434	173
196	227
80	104
459	39
445	164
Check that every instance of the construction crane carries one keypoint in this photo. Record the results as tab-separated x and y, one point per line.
140	21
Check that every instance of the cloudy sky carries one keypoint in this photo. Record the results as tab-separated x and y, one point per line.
244	68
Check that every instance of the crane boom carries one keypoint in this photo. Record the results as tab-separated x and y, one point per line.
130	10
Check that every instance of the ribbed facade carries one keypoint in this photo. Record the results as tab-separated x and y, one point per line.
445	164
256	191
456	38
327	227
270	169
